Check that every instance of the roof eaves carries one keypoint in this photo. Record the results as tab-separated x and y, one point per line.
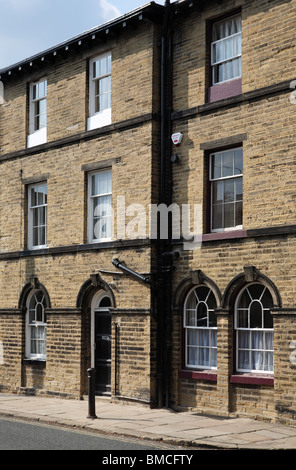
150	11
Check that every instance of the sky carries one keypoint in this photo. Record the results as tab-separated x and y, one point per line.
28	27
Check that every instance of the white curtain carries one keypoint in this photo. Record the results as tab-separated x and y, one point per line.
202	347
227	28
255	350
227	51
204	352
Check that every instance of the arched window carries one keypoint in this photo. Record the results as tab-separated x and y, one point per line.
36	325
254	329
200	326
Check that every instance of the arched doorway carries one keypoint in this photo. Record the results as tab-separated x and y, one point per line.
101	339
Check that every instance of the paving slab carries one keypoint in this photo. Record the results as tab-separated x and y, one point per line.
186	428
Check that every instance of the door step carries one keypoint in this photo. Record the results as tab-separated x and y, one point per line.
29	391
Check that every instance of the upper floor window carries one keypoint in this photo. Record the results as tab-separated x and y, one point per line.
254	329
200	325
37	113
226	50
100	206
37	215
226	179
100	91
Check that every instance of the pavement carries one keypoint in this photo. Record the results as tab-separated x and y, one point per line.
185	429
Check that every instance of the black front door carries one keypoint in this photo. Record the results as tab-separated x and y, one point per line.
103	351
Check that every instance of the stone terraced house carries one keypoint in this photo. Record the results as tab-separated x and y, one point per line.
147	211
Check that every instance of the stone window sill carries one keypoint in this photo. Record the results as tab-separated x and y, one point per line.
252	379
227	235
34	361
199	375
225	90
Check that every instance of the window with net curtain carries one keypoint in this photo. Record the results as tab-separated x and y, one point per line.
254	330
226	50
200	327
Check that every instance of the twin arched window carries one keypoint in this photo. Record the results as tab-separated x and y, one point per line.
253	325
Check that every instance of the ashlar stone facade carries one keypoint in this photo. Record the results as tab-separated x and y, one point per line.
205	323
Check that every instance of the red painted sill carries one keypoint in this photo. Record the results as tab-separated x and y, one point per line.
251	379
202	375
225	90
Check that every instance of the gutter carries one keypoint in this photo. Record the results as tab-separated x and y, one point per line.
148	12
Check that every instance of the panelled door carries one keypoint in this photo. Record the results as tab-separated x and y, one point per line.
102	345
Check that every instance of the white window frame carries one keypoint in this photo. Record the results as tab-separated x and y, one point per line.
37	134
224	179
222	42
252	332
38	208
37	325
99	118
102	195
210	330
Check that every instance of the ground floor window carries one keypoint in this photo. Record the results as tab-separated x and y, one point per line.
36	326
254	330
200	327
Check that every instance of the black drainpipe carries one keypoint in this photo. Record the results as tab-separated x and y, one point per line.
165	256
164	246
172	255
